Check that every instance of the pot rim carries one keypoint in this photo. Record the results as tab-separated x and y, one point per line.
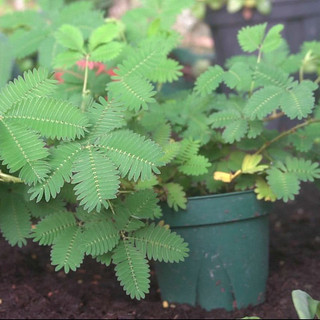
219	195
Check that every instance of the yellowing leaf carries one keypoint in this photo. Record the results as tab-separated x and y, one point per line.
225	176
250	164
264	191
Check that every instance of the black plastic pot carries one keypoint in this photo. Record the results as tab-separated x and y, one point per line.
301	19
228	237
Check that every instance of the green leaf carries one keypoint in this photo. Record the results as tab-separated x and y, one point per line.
273	38
142	204
133	92
176	197
161	134
195	166
15	221
284	185
132	270
50	117
299	101
33	84
263	102
6	61
105	258
66	252
70	37
209	81
238	76
62	161
100	238
264	191
269	75
250	38
49	228
103	34
188	148
96	179
44	209
223	118
235	131
167	70
125	219
67	59
19	146
34	171
142	61
48	50
106	52
306	307
303	139
24	43
305	170
132	154
105	117
160	244
171	150
255	129
17	19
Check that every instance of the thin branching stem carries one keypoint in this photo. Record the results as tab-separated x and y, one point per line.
9	178
258	62
286	133
85	83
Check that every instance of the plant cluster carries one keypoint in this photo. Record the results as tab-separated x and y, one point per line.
72	150
230	136
90	149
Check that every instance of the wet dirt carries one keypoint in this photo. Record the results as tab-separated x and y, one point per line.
30	288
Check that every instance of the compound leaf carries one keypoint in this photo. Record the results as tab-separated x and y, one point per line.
299	101
103	34
176	197
285	185
160	244
50	117
132	154
132	270
33	84
263	102
61	164
250	38
20	146
70	37
67	252
96	179
209	81
106	52
49	228
100	238
15	221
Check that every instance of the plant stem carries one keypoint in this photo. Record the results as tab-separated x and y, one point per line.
75	74
258	62
301	76
85	83
317	80
8	178
286	133
111	207
159	86
274	116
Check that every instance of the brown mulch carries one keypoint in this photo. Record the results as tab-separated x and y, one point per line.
30	288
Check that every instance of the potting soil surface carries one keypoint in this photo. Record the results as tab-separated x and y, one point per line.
30	288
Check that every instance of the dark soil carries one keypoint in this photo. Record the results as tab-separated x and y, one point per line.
30	288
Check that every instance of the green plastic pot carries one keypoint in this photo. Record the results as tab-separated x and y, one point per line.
227	268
